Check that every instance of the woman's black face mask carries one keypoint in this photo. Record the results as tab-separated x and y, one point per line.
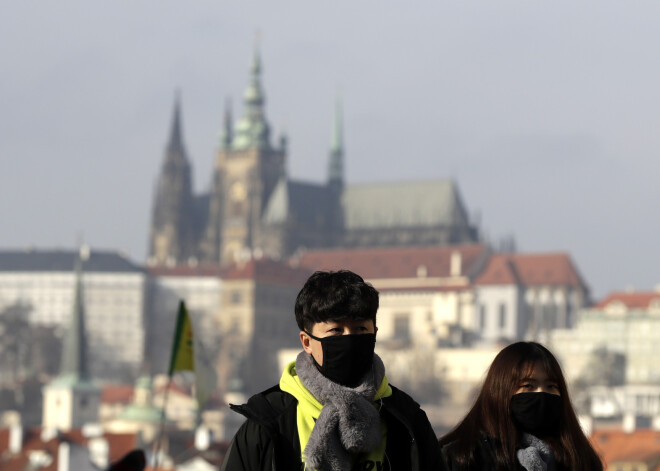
538	413
346	358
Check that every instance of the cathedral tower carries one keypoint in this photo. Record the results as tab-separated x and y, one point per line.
246	172
172	239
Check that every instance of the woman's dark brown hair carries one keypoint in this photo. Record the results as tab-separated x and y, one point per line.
491	416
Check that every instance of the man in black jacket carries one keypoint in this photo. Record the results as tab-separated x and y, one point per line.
334	409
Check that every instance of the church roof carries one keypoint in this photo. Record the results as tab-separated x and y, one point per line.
63	260
399	204
301	201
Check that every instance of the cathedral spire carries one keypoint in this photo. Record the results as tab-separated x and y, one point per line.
171	237
227	131
175	146
74	365
336	162
252	130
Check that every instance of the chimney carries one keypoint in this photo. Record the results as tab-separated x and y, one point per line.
203	438
15	438
455	264
63	457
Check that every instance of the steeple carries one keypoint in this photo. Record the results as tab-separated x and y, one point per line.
72	399
171	237
336	161
227	132
74	366
254	95
252	130
175	146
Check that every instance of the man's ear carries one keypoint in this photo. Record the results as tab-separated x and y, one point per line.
304	340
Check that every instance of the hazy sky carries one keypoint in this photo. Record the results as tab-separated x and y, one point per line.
547	114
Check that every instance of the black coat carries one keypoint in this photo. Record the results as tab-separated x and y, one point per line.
484	457
268	440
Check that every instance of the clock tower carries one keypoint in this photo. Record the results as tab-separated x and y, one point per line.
246	171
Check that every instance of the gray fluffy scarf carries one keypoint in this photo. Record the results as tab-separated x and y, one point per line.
536	454
349	421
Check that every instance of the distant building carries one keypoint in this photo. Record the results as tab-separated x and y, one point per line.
623	324
86	449
426	295
114	290
253	206
256	319
525	296
200	286
621	450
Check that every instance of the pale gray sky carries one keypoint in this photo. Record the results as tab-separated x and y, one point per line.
546	113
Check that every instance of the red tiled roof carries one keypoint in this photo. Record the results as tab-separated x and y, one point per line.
619	446
633	300
173	387
4	440
530	270
395	262
118	443
121	393
265	270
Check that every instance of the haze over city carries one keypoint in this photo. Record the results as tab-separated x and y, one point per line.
546	115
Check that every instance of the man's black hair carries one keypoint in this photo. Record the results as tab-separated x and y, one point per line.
333	296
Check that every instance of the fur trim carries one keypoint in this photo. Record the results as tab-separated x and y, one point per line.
537	455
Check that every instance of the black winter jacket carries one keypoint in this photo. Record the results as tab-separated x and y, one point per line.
484	457
268	440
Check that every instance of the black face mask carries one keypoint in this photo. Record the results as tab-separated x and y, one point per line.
346	358
538	413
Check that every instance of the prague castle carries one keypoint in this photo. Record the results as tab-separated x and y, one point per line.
254	207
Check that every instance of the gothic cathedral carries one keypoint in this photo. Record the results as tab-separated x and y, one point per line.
254	208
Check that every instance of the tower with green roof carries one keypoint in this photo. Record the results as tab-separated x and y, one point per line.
72	399
246	172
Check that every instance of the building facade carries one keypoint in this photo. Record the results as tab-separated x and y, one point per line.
616	338
114	291
200	286
526	296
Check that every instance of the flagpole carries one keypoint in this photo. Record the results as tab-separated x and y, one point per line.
161	433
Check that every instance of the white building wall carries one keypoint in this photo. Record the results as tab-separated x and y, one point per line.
114	312
632	334
423	319
499	313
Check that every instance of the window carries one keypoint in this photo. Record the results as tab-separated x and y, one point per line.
482	317
402	328
502	316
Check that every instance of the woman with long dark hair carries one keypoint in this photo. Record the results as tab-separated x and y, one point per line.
522	419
